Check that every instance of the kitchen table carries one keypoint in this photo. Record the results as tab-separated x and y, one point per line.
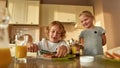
33	62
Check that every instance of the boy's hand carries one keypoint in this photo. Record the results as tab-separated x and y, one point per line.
61	51
32	48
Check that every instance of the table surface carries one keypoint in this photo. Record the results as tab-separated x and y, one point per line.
33	62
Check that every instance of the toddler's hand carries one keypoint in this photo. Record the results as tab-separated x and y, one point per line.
61	51
32	48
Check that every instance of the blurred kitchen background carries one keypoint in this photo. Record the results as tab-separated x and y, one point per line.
32	16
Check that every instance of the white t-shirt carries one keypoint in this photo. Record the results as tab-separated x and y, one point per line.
51	46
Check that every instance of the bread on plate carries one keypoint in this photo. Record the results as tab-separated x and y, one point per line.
49	55
113	53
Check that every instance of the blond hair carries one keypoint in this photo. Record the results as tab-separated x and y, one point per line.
87	13
59	25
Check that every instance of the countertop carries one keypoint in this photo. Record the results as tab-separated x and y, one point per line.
99	62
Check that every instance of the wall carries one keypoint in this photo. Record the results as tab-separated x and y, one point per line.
109	10
99	17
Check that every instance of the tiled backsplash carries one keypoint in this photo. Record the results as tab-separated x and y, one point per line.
71	31
73	34
31	30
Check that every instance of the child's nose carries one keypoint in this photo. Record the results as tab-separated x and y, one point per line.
55	34
84	22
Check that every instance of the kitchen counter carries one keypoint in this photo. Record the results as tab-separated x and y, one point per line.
33	62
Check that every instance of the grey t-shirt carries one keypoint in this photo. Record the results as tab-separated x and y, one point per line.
92	41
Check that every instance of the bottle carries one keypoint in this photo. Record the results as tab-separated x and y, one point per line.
75	48
81	50
5	55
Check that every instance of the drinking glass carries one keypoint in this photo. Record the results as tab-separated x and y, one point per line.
5	55
20	65
21	48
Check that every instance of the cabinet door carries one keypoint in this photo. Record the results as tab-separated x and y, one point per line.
63	13
66	13
24	12
17	11
48	13
32	12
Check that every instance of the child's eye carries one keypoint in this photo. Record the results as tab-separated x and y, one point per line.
81	21
85	19
53	31
58	33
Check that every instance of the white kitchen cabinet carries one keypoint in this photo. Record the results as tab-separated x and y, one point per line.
63	13
24	11
48	13
32	12
17	11
66	13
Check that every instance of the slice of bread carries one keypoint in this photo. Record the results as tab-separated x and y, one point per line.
116	53
113	53
50	55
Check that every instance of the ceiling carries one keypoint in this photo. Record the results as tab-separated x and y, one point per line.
68	2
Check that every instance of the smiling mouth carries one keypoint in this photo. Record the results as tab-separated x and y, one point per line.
53	37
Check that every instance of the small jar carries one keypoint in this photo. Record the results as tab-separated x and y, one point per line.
75	49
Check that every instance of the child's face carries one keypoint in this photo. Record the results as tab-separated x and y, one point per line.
55	34
86	21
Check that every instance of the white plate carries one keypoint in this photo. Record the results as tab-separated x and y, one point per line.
86	58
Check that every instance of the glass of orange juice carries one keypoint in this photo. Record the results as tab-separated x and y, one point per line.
5	57
21	49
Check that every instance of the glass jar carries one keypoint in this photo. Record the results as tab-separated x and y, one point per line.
5	55
75	49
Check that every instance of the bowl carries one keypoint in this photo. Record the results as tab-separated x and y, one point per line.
86	58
